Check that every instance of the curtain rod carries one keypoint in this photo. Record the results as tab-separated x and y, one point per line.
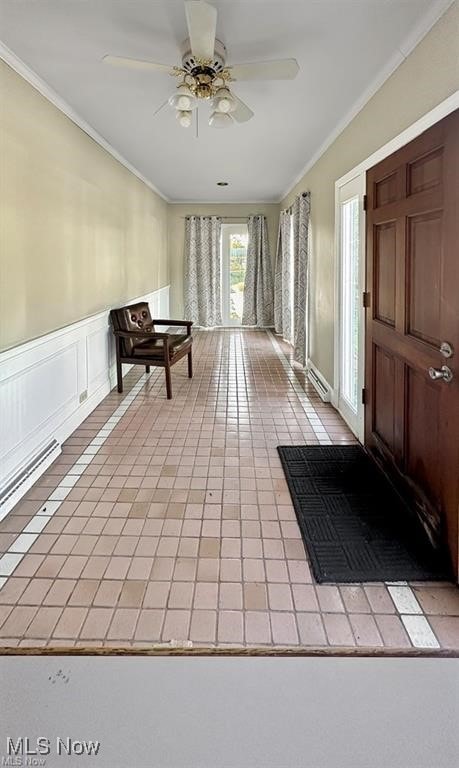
224	218
289	209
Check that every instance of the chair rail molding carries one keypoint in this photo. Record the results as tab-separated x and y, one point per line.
48	387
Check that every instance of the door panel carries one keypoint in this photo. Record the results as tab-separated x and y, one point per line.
424	248
384	396
386	190
411	420
385	272
425	172
423	433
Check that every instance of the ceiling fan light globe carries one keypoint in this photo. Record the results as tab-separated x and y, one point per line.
184	118
183	102
224	101
183	99
220	120
224	105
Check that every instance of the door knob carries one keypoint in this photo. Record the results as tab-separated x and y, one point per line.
444	373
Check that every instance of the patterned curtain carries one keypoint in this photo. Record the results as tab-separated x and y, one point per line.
300	212
203	270
258	286
283	296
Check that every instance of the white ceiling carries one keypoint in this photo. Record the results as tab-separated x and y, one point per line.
342	47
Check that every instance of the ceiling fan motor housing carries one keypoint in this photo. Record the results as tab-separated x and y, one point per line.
196	67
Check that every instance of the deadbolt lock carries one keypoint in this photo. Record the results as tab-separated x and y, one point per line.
446	349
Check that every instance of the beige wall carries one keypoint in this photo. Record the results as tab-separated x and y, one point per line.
428	76
78	231
236	211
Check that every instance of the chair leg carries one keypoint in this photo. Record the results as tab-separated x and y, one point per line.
167	369
190	365
147	369
119	374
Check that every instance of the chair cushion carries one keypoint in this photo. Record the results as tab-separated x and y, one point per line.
132	318
154	348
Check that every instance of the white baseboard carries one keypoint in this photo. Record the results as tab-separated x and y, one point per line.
48	387
319	382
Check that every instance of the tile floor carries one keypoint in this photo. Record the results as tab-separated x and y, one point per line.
170	523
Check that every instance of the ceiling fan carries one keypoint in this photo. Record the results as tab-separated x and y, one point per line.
204	75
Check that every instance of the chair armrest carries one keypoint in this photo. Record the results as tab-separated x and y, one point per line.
141	334
188	323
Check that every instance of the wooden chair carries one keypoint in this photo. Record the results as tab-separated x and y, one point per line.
138	343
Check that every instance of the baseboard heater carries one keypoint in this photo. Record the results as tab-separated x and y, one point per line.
322	389
34	464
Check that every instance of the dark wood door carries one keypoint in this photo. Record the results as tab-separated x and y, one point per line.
411	419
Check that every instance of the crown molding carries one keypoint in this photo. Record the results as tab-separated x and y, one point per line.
40	85
223	202
410	42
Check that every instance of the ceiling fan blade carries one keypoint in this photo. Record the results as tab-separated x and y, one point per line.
122	61
202	26
282	69
242	113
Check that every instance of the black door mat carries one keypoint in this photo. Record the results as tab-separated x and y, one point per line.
354	525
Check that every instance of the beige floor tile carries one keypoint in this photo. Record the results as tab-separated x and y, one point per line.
203	626
12	590
443	601
208	569
338	629
355	599
365	630
44	622
230	627
255	597
284	628
36	592
157	594
230	596
70	623
185	569
84	592
183	524
206	595
163	568
257	628
280	597
149	625
392	631
96	624
181	595
123	624
18	620
108	593
329	599
446	629
379	599
176	625
311	629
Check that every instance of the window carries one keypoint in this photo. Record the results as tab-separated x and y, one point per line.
350	300
234	261
350	314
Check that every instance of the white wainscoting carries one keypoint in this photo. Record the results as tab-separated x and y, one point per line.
41	385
